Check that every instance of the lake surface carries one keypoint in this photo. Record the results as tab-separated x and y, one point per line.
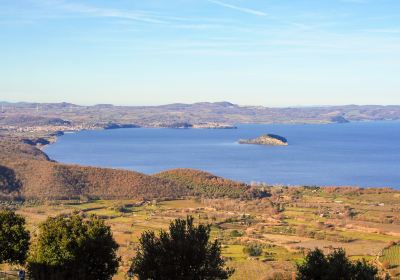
359	154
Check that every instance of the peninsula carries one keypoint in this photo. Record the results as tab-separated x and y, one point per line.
266	139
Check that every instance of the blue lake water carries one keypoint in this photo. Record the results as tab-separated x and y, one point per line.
358	154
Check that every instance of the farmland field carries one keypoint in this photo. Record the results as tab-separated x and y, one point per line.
391	259
286	225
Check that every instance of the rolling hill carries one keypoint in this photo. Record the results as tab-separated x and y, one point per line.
27	173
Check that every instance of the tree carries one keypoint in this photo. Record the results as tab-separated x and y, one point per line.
334	266
314	266
182	253
14	238
74	248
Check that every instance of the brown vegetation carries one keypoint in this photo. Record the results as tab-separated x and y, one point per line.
26	172
14	147
50	180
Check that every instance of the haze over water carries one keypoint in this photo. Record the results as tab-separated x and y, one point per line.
363	154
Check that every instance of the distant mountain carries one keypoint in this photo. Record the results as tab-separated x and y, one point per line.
191	114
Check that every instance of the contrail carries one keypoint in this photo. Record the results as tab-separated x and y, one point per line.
237	8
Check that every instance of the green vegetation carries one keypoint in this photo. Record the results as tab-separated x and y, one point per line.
253	250
236	233
334	266
390	259
205	184
277	227
73	248
391	255
14	238
182	253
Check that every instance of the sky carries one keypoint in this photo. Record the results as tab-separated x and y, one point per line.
250	52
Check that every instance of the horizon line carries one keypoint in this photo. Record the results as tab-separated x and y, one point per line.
193	103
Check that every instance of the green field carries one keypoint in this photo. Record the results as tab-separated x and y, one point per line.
391	259
286	231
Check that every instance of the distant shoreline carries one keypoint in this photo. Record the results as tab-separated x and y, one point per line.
330	181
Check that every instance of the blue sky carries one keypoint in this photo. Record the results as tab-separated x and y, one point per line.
142	52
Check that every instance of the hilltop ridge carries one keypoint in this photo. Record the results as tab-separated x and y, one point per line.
27	173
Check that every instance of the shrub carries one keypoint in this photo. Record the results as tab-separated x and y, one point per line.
253	250
236	233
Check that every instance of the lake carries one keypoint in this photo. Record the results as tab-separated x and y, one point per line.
363	154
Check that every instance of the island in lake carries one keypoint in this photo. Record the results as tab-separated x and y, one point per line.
266	139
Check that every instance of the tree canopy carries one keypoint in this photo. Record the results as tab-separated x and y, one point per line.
182	253
74	248
14	238
334	266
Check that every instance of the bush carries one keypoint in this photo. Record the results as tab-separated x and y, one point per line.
73	248
14	238
236	233
253	250
121	208
182	253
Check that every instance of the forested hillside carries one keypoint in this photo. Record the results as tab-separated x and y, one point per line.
208	185
26	172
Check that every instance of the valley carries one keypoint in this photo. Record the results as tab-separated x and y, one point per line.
286	225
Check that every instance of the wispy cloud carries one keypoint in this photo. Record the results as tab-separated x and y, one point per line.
237	8
93	11
183	22
112	13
